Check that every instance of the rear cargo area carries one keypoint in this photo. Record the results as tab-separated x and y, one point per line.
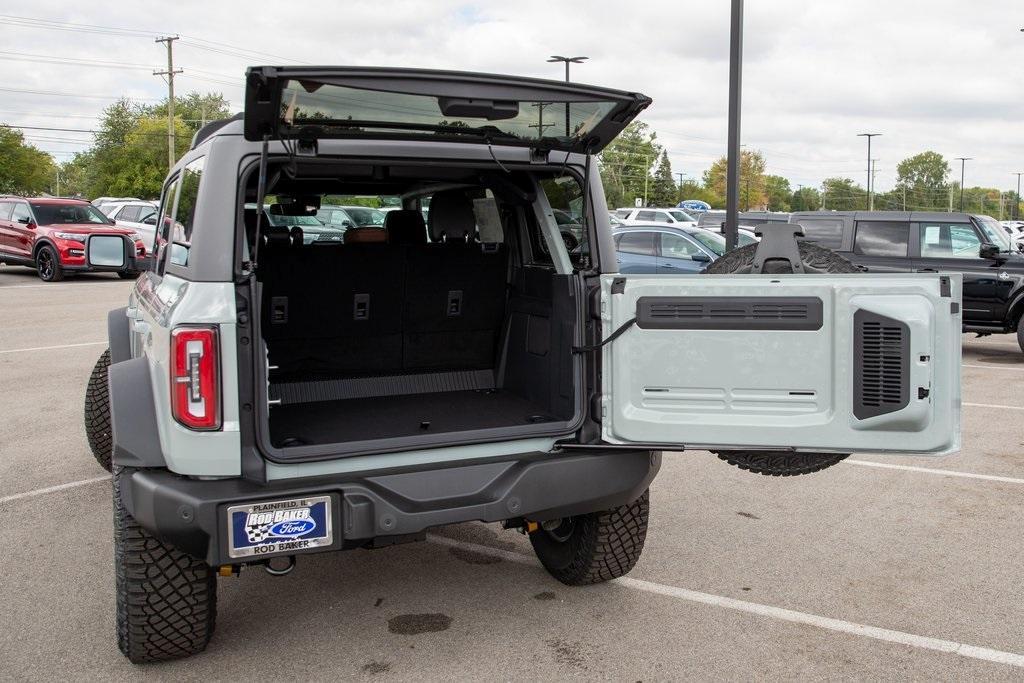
413	332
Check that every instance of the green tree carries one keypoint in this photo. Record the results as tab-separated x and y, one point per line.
663	191
778	191
691	189
195	108
752	179
805	199
922	179
625	164
23	168
74	174
842	194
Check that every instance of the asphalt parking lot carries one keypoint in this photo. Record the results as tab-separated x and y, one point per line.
880	567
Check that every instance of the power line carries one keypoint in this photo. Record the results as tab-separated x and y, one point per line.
74	94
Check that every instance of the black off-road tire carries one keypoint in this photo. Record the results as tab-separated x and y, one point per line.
596	547
779	464
166	600
1020	333
48	265
815	260
97	413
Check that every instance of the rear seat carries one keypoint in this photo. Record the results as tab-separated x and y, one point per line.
375	309
455	292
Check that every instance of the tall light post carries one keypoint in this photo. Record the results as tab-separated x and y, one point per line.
871	204
963	162
1016	201
568	61
732	184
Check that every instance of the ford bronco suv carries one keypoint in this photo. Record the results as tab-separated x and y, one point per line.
263	397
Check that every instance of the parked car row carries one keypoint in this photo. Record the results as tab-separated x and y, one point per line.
59	236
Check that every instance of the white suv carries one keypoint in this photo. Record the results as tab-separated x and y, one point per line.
650	215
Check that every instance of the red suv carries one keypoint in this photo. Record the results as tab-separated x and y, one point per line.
56	236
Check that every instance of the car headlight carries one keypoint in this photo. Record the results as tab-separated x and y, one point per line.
73	236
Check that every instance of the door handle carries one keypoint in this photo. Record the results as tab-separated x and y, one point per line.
926	270
666	265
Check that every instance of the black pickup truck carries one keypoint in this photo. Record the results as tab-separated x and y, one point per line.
926	242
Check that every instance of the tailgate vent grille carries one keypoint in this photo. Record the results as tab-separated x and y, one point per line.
881	361
729	313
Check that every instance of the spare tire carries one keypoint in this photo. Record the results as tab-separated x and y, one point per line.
816	260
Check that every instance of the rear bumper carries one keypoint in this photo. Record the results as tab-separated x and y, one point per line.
191	514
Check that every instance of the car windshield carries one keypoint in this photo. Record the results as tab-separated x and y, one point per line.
288	221
712	241
365	216
681	216
994	232
56	214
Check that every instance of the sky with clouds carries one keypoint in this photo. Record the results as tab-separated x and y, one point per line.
941	75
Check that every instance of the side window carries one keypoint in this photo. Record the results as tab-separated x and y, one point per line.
646	216
881	238
662	217
185	212
674	246
949	240
637	243
826	232
21	213
5	210
566	199
163	224
127	213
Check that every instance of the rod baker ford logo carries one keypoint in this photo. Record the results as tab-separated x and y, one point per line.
271	526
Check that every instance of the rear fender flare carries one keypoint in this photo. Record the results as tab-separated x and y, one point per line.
133	418
119	335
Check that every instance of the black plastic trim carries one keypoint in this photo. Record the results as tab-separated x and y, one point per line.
189	513
881	367
729	313
133	416
118	335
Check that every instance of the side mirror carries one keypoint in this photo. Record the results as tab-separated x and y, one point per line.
701	257
25	220
988	251
150	220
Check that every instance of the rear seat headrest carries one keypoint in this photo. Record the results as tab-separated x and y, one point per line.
295	234
451	217
366	235
405	226
275	234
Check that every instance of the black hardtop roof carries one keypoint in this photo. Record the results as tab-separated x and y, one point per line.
885	215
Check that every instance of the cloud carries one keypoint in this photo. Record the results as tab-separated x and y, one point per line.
939	74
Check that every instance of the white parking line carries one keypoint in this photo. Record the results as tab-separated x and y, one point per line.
990	367
779	613
933	470
992	405
52	489
49	348
55	285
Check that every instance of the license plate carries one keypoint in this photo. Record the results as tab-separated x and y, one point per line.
279	526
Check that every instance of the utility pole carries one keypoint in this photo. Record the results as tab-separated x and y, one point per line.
904	197
732	184
540	125
1016	201
647	174
171	71
871	194
869	136
963	162
568	61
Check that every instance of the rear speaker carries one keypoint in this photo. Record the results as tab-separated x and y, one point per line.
881	365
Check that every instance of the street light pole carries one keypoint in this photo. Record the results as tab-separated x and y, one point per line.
963	162
869	136
568	61
732	185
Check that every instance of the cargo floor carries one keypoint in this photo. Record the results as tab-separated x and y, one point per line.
326	422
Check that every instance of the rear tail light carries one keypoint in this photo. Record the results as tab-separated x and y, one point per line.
195	381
